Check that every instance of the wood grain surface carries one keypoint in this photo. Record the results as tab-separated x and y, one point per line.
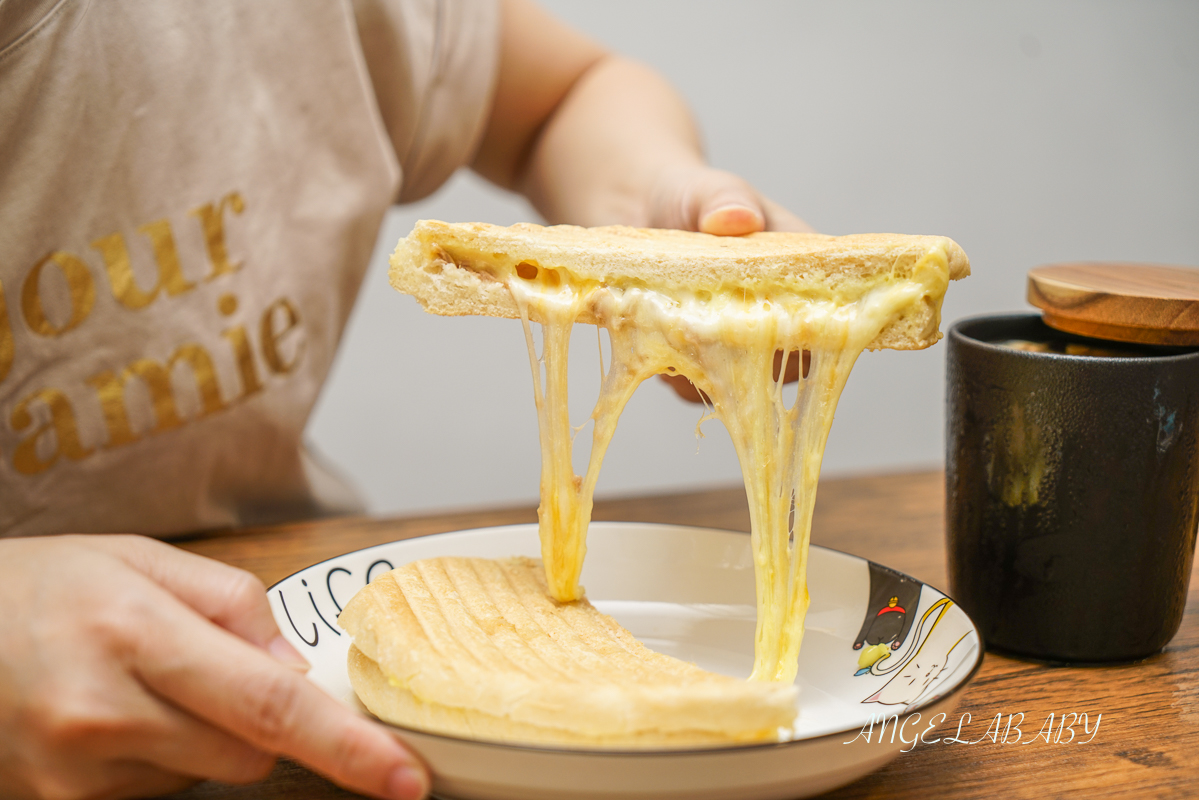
1145	303
1146	744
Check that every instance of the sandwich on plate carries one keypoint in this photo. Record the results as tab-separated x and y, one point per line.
496	650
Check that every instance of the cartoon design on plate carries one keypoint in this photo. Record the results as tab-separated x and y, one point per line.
889	614
938	647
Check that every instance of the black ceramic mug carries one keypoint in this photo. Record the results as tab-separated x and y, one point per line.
1072	490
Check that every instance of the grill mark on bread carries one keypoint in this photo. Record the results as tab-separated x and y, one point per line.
716	311
625	692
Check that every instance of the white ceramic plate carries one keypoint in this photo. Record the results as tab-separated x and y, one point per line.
689	593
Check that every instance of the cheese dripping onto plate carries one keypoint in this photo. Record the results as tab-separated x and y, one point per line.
725	344
716	310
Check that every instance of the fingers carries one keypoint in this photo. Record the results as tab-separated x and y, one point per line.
241	690
684	388
128	779
723	204
720	203
98	716
727	206
183	745
133	779
780	219
796	367
85	723
230	597
735	219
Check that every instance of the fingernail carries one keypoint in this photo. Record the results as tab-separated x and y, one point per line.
734	218
282	651
735	207
407	783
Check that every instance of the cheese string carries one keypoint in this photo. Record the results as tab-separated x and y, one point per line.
726	348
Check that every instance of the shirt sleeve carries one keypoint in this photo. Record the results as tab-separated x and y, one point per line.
432	66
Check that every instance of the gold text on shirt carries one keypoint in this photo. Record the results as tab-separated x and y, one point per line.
81	287
47	416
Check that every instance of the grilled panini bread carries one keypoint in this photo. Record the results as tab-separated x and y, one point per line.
457	269
477	648
717	310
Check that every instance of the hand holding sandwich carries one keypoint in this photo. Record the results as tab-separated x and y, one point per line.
592	138
595	139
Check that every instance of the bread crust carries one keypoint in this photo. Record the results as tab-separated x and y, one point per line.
399	706
475	646
451	268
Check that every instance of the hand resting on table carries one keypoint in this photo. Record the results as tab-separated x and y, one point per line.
131	668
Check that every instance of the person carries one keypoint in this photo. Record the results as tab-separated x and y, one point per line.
190	196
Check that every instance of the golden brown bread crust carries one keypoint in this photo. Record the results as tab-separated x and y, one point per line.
450	268
476	647
399	706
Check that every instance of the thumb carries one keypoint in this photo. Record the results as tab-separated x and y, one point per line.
722	204
731	219
733	208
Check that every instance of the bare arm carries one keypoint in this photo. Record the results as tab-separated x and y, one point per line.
592	138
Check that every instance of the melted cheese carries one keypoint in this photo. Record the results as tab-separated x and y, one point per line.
725	344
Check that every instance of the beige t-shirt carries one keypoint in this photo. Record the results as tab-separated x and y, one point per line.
189	194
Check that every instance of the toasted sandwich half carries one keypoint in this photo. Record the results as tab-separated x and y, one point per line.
477	648
719	311
457	269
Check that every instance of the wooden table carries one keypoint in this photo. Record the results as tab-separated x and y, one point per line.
1147	744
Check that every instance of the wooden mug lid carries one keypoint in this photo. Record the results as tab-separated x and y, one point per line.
1144	303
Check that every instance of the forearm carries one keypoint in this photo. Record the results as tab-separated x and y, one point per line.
595	139
618	140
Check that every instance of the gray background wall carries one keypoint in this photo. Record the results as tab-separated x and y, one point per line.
1030	132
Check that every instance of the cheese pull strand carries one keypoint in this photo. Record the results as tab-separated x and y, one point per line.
716	310
726	346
